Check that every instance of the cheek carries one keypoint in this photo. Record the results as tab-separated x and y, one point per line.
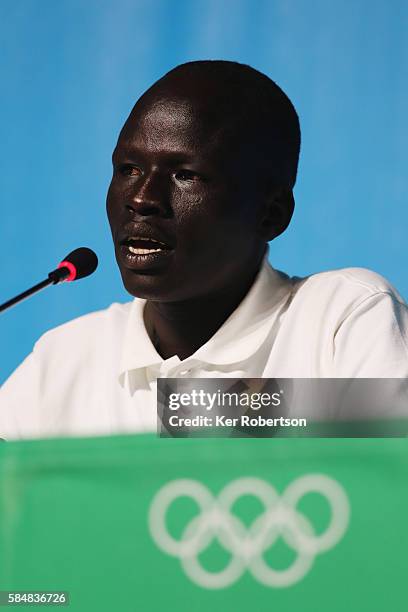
109	199
211	212
189	210
203	222
114	199
110	208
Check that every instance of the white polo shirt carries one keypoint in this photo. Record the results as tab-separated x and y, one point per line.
96	375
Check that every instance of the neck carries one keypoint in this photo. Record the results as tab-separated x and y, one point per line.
181	328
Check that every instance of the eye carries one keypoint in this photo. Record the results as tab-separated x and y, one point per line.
187	175
129	170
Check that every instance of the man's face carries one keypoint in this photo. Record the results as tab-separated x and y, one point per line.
182	204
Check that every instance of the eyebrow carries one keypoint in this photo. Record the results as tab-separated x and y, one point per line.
174	157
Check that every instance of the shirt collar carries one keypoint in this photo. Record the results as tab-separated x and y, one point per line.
242	334
246	330
138	350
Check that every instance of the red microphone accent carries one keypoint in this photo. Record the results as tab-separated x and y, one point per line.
72	270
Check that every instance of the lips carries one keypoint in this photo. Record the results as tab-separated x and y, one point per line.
145	236
144	247
139	245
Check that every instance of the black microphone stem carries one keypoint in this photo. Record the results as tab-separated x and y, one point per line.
26	294
53	278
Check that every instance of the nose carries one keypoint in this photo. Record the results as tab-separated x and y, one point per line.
149	195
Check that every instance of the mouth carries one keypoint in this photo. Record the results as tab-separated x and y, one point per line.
138	245
141	252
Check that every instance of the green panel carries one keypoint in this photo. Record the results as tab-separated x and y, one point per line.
79	515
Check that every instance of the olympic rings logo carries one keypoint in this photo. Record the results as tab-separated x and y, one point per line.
247	544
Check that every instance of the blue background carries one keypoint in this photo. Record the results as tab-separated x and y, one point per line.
71	71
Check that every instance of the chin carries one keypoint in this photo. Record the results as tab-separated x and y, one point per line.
152	287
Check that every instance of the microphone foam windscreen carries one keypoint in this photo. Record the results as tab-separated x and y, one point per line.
84	260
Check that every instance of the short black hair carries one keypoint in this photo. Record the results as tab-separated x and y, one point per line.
254	101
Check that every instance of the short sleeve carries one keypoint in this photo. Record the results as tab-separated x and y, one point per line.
19	401
372	341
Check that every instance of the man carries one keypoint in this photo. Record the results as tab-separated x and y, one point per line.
203	173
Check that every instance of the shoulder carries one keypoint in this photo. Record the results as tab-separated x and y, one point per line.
91	328
346	286
359	280
333	298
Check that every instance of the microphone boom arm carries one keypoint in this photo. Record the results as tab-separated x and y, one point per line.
78	264
54	277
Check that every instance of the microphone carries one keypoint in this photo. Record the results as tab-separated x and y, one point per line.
78	264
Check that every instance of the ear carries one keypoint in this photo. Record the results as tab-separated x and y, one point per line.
277	212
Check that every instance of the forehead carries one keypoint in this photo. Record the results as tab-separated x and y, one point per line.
169	125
